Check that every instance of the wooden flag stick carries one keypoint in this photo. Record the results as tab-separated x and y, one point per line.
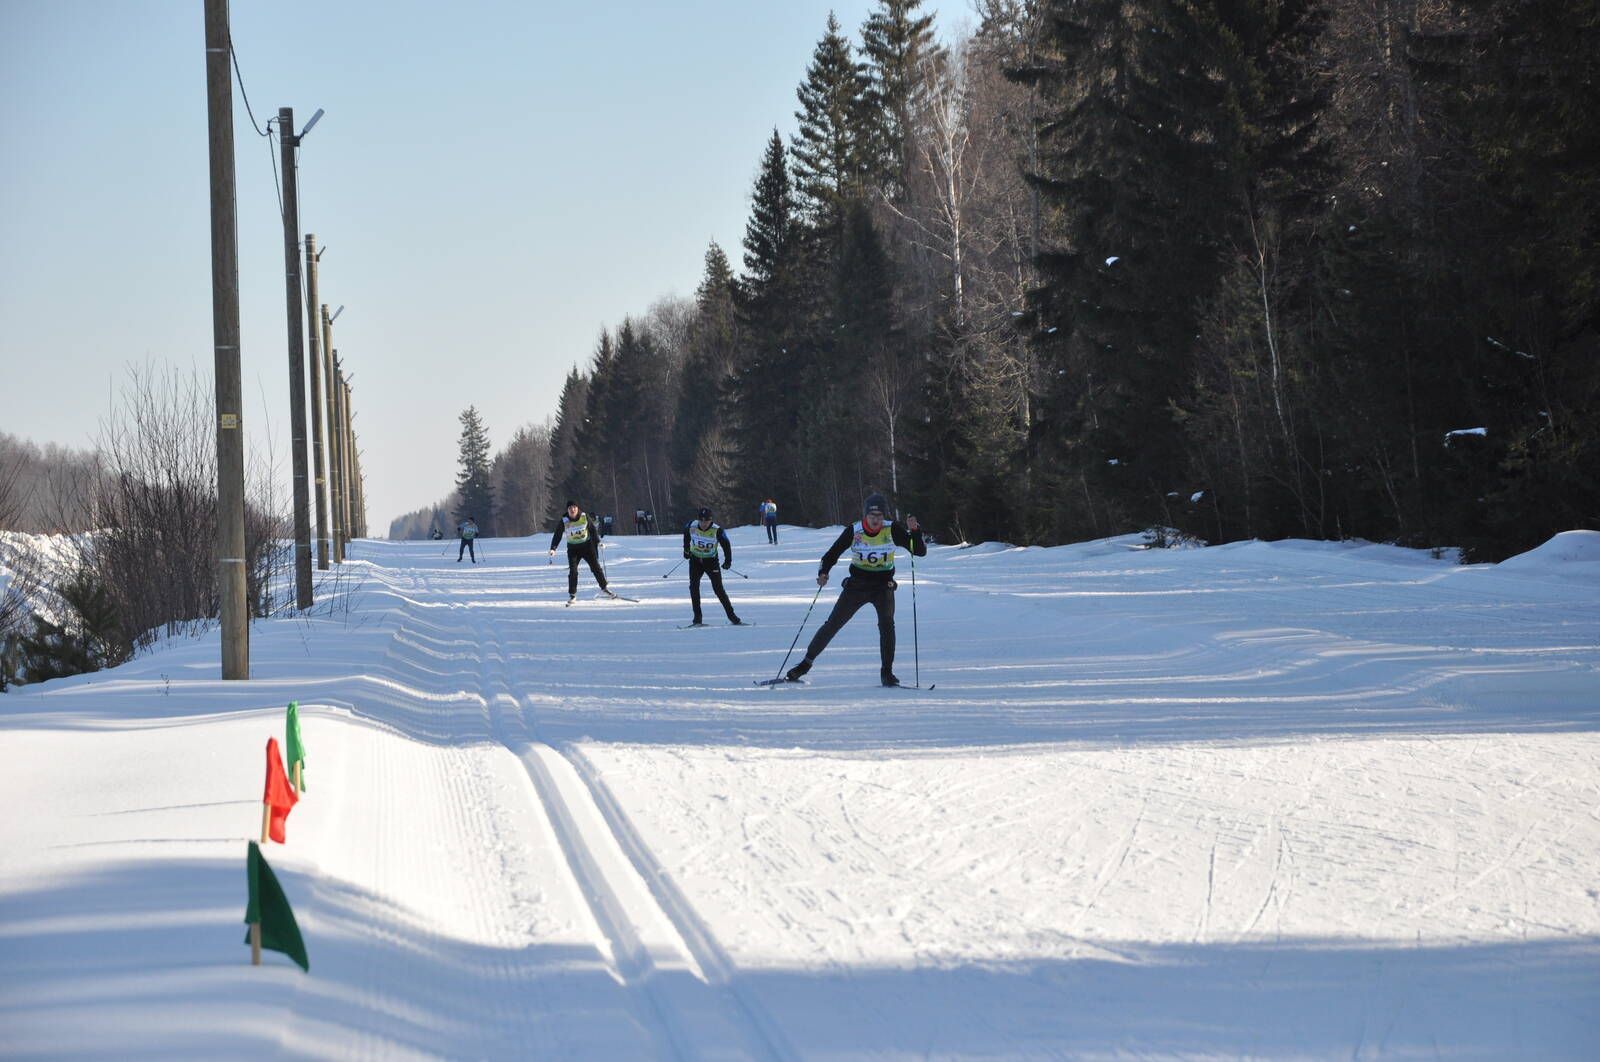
255	943
266	820
299	788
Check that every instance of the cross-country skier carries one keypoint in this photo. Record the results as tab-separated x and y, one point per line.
701	538
769	520
468	530
583	543
871	543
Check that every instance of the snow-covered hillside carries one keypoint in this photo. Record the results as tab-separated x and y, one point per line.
31	564
1288	799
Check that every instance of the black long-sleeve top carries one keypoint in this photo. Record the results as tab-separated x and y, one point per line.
907	540
722	540
561	530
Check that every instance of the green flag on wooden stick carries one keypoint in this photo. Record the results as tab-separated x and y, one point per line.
295	748
272	924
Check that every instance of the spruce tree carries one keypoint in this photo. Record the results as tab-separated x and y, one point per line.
570	411
473	483
88	638
589	475
898	43
767	379
1140	147
1510	253
702	401
870	384
1253	423
834	139
636	417
771	238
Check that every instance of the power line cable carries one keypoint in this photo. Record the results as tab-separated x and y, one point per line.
240	75
271	157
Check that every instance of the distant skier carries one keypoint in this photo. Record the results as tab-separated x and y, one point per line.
582	535
769	520
468	530
871	542
437	535
701	538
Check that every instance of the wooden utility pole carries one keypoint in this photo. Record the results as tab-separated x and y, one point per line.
343	501
358	525
360	480
335	482
225	342
287	143
318	465
344	447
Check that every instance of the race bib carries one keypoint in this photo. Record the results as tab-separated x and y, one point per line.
873	553
703	543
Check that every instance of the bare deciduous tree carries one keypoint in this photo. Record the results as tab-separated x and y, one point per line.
153	547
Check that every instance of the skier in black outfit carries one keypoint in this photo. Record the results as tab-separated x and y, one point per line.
700	541
583	543
872	542
468	530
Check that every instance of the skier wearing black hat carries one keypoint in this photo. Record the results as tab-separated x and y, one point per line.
701	539
871	542
583	543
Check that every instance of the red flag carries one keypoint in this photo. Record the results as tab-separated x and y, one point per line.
280	795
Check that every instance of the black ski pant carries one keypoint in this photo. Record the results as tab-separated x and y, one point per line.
466	548
699	566
588	551
772	532
851	600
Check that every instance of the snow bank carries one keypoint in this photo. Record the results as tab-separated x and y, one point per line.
1571	553
51	558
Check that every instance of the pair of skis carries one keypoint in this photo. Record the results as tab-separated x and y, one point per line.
611	595
782	681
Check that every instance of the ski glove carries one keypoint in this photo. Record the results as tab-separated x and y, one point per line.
822	578
727	564
685	554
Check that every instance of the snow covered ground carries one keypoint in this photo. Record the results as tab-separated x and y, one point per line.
1287	799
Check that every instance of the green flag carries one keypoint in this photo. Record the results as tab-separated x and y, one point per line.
294	747
270	907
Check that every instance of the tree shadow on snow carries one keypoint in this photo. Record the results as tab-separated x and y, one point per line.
146	958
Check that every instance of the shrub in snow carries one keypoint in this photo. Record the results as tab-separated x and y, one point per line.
88	638
1170	538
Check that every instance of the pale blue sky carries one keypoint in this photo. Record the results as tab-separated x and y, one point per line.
494	183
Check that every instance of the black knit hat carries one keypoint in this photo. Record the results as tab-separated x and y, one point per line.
875	503
571	504
705	514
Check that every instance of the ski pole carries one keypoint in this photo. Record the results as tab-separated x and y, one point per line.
916	649
675	567
799	632
737	572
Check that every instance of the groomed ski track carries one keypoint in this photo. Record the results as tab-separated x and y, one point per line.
1268	799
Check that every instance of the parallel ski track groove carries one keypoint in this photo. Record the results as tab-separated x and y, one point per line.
696	935
629	957
510	720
